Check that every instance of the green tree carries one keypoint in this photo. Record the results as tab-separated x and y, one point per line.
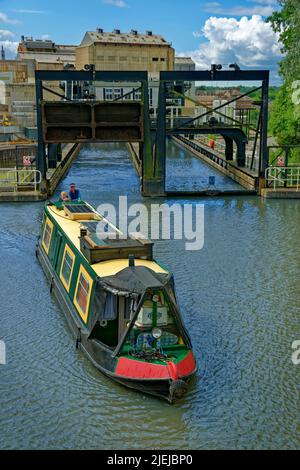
287	23
285	115
284	120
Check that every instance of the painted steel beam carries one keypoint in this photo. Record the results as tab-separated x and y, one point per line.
219	75
89	76
41	156
237	135
264	157
230	131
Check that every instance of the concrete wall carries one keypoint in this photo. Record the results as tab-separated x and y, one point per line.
14	70
21	102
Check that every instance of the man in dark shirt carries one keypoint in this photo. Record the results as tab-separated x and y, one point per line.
74	194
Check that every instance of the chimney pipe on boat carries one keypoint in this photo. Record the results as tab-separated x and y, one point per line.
131	261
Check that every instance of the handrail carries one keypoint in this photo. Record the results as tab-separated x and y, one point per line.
15	179
283	176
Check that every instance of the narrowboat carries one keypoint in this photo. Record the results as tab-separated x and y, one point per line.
118	301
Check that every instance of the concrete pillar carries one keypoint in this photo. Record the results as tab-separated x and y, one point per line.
153	183
228	147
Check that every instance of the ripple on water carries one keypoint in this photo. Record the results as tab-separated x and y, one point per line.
240	301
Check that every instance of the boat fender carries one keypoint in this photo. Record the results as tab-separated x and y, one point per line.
78	339
172	370
177	388
37	245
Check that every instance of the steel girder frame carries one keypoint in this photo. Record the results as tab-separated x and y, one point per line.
228	134
90	76
159	164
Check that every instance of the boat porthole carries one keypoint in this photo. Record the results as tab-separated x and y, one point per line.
103	323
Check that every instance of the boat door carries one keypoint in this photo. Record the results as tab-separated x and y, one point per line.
122	314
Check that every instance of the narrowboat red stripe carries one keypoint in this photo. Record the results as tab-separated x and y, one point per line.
142	370
187	365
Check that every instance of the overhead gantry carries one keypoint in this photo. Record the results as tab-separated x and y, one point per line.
231	134
120	120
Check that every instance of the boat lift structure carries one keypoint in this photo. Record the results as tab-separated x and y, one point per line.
86	121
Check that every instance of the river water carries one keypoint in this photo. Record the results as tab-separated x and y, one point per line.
240	299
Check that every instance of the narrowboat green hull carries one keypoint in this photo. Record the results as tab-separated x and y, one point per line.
165	376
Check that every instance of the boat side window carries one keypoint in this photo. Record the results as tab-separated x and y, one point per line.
83	293
67	267
47	234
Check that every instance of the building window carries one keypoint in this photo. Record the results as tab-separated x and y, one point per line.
117	93
47	235
137	95
150	96
129	97
83	293
154	59
162	59
112	93
67	266
108	94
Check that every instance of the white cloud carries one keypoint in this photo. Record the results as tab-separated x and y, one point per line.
116	3
267	2
250	42
10	47
4	19
45	36
33	12
4	33
260	9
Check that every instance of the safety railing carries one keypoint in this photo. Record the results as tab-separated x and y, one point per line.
18	180
206	140
283	177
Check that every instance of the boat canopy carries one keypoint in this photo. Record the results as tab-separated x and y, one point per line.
133	282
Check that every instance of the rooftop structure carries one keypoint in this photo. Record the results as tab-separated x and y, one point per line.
45	51
117	37
207	98
184	63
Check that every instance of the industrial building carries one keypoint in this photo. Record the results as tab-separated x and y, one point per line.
125	51
105	50
119	51
17	81
239	109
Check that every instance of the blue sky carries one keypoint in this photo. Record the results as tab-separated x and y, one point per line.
210	31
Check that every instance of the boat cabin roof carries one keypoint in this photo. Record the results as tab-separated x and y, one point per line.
71	229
